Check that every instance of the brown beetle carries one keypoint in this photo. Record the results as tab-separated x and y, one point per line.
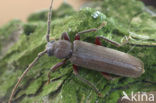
91	56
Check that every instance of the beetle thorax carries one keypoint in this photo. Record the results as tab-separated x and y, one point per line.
60	49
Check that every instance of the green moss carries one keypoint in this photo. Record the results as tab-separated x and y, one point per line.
7	33
65	87
130	17
7	29
29	28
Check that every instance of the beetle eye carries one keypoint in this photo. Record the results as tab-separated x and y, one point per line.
52	41
49	48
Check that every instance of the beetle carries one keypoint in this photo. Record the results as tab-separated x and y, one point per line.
91	56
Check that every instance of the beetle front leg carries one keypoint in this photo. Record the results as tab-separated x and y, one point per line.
65	36
107	76
55	67
75	71
77	36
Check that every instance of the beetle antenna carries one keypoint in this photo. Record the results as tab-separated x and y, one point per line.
24	73
49	21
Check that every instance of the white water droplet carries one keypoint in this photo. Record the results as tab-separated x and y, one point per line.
96	14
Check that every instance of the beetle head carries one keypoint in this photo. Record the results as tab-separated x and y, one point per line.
60	49
50	48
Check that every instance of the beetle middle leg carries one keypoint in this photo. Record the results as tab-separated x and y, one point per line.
55	67
77	37
125	41
75	71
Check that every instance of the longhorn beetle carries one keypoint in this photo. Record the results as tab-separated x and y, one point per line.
87	55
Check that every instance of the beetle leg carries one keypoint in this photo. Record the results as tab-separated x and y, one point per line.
65	36
108	40
97	41
107	76
55	67
124	41
77	37
75	71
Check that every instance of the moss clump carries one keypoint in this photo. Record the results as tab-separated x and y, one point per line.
65	87
29	28
8	35
130	17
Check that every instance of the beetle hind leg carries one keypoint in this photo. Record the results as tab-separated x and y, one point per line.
75	71
108	76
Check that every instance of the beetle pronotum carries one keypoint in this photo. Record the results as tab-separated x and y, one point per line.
91	56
